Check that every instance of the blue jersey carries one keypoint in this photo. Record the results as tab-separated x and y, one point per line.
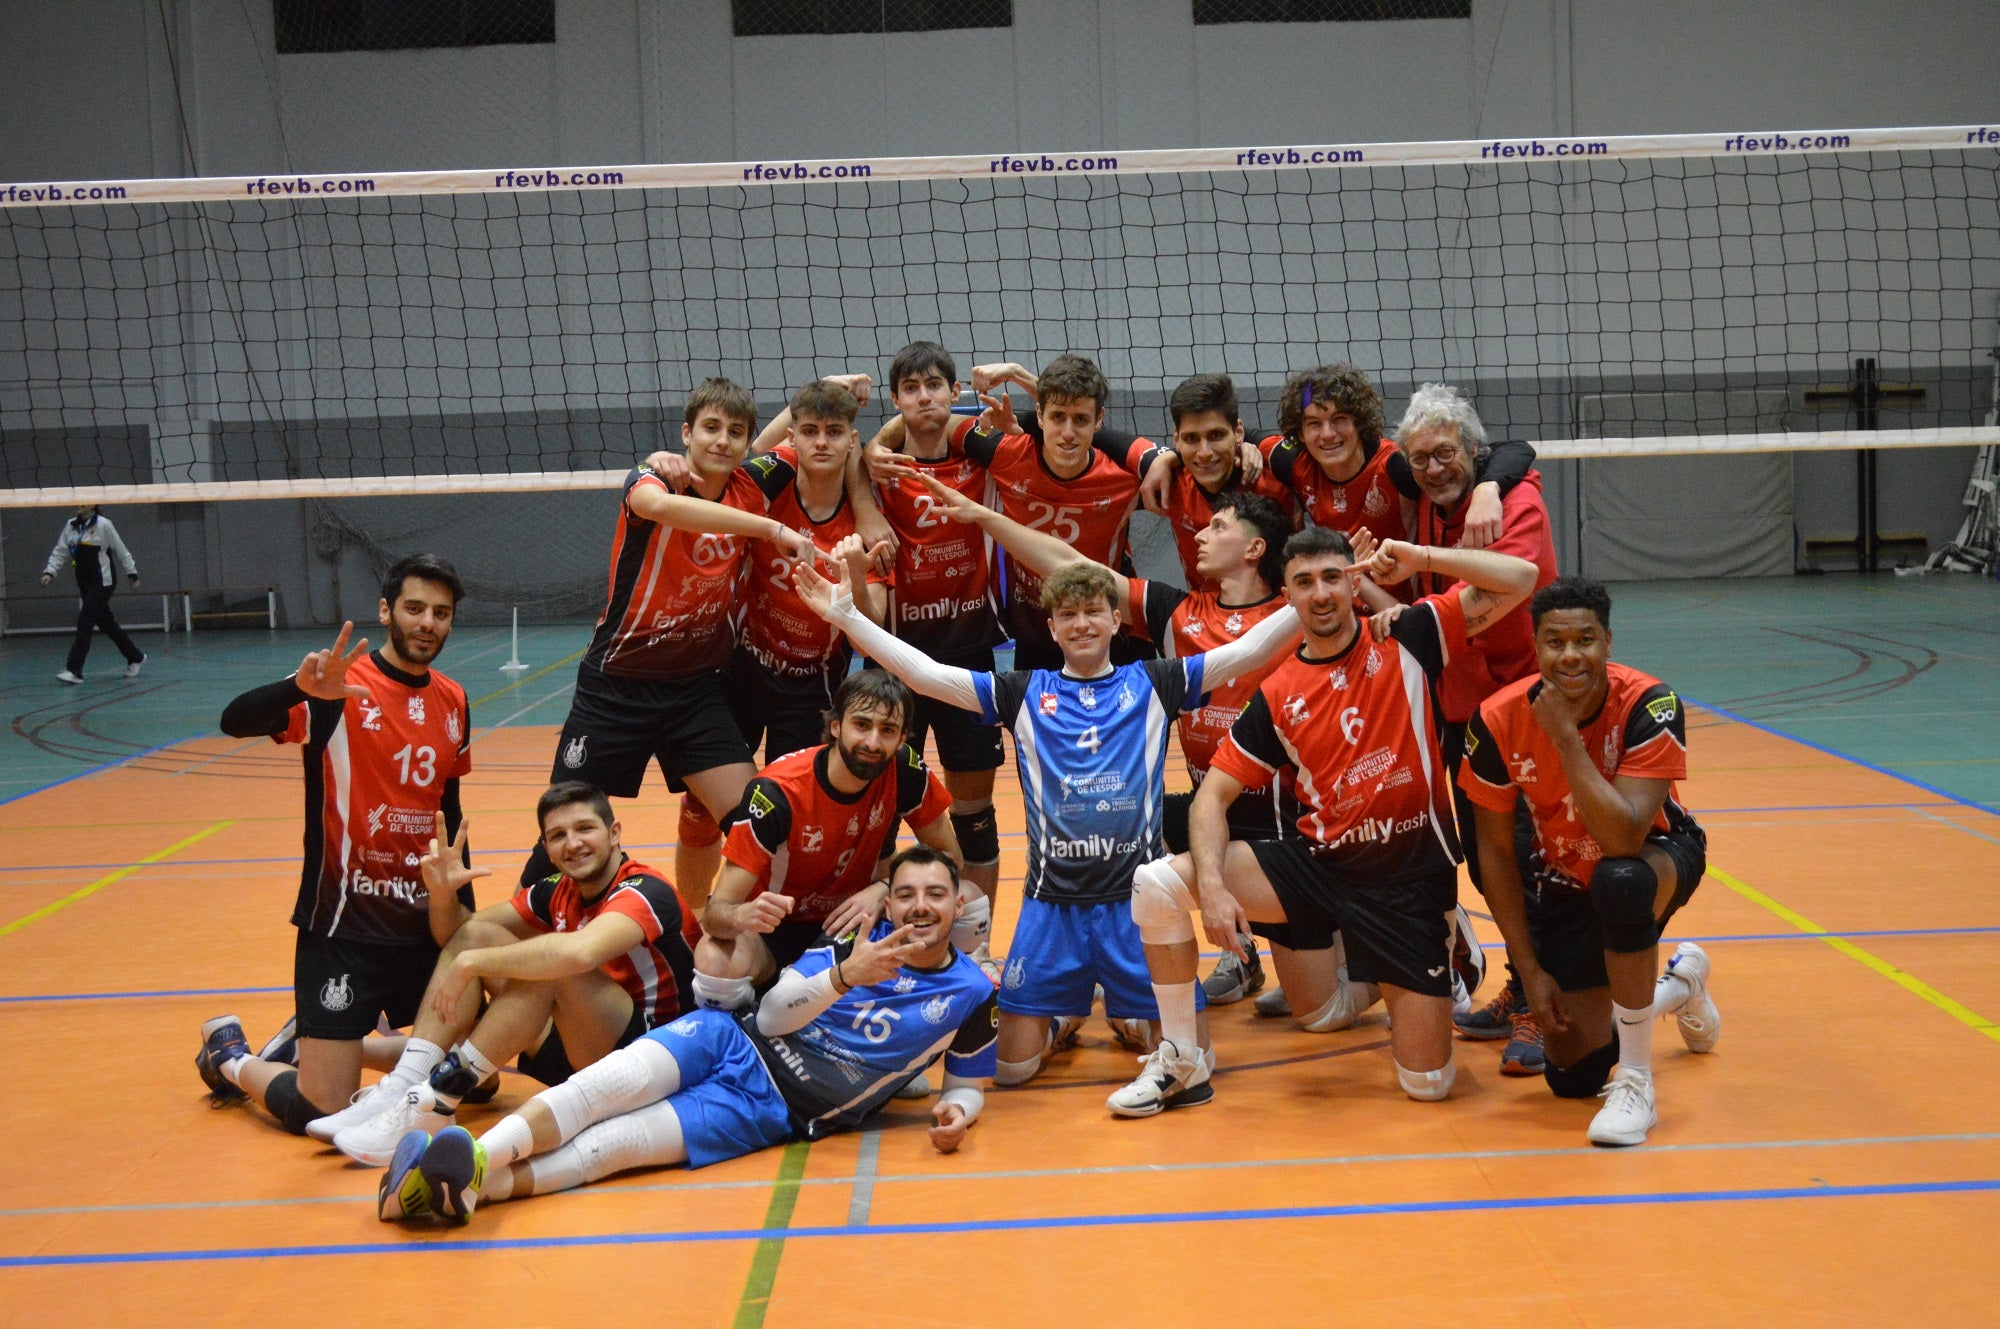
873	1040
1092	755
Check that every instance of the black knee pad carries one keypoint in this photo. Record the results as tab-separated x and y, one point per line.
292	1108
1622	891
1584	1079
978	835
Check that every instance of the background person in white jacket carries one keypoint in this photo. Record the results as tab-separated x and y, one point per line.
90	542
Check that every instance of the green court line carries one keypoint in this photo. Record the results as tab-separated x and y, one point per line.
764	1263
1908	982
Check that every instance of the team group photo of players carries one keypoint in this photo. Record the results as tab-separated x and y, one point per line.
1371	667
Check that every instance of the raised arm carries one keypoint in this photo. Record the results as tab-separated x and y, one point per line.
1254	649
684	512
834	602
1042	552
1494	583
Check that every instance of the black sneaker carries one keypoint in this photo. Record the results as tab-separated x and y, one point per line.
222	1041
1494	1020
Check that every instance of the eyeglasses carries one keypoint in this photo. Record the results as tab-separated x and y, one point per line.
1436	460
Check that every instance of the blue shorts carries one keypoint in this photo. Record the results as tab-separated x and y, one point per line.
1060	952
727	1105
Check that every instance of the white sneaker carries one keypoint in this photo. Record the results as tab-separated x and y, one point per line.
67	677
983	957
374	1141
366	1103
1135	1035
1628	1112
1273	1004
1168	1079
132	669
918	1087
1698	1020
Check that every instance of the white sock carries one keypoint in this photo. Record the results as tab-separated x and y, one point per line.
1177	1016
1670	994
420	1057
1635	1036
232	1068
498	1186
508	1142
475	1061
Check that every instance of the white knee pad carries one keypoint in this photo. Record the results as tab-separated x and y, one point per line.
974	921
1161	903
723	994
636	1075
649	1137
1427	1086
1008	1073
1343	1008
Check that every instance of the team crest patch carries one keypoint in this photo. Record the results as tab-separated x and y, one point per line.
1126	698
453	730
1340	678
853	827
1017	974
1373	666
416	709
1376	504
1049	700
337	995
1233	625
1339	501
573	754
1662	709
937	1010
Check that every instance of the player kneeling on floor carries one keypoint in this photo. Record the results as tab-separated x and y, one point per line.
1595	748
845	1026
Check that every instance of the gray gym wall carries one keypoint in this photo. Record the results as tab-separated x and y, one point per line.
88	89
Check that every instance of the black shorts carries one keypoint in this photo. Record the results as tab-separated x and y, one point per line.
1397	932
1251	817
784	713
339	987
1569	940
616	725
788	941
964	741
549	1063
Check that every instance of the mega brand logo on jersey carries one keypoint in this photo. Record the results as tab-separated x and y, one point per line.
371	714
337	995
415	706
810	839
573	754
937	1010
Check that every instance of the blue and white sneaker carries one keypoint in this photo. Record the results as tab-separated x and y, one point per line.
283	1046
404	1193
222	1042
454	1167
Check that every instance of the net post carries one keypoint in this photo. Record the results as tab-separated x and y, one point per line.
514	665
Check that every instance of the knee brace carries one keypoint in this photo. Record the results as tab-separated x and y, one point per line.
1586	1077
1427	1086
723	994
635	1076
1622	891
650	1137
1009	1073
1161	903
978	831
1343	1008
975	920
698	829
292	1108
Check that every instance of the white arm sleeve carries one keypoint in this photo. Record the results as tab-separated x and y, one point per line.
1254	649
948	683
966	1094
794	1002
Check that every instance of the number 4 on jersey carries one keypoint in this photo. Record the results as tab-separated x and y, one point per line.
1089	739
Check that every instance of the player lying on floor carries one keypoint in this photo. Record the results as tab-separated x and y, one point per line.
844	1027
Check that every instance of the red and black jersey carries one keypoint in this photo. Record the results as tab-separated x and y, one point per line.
378	771
779	631
1640	731
1505	652
803	838
1368	500
1089	513
945	601
673	592
1190	508
657	971
1190	623
1360	732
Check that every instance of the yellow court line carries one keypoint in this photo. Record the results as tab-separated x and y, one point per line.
106	880
1965	1015
526	678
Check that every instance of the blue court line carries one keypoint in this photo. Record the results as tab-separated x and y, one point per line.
443	1243
1959	799
101	768
139	996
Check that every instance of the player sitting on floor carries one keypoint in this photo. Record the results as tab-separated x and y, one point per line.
1092	743
844	1027
573	967
802	848
1376	858
1594	748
